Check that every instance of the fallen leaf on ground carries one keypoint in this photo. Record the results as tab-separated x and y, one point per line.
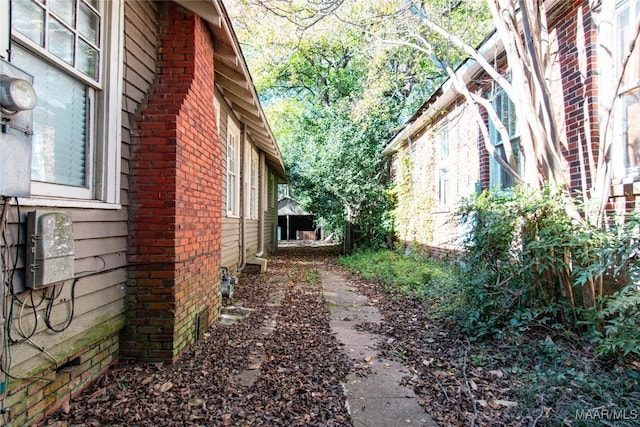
505	403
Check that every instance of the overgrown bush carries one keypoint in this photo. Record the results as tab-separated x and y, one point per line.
528	262
614	323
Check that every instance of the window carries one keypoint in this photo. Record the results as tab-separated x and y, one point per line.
76	67
233	168
442	166
273	191
254	184
498	176
627	110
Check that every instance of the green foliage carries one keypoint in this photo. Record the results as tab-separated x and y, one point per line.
621	319
551	377
527	262
554	379
311	276
413	206
412	275
615	323
335	86
496	267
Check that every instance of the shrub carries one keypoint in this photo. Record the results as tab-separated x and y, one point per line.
527	262
515	259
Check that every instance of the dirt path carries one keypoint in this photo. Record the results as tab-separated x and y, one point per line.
279	358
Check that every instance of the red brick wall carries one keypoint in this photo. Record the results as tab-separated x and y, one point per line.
577	37
30	400
575	84
176	201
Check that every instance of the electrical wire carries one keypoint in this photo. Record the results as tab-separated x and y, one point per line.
15	260
8	270
30	341
34	377
22	304
4	353
97	270
8	324
47	317
15	299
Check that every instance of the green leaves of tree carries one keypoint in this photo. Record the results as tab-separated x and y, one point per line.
335	89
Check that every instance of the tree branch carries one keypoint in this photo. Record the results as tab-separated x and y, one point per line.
473	53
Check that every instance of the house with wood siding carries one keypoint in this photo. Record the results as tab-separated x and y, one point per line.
439	157
145	172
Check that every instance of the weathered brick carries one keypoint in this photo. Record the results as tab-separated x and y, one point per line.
179	119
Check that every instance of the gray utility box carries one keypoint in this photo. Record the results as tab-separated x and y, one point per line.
16	130
50	248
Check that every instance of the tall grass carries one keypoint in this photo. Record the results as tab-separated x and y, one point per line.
413	276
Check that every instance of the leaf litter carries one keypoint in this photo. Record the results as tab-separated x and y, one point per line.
299	381
300	375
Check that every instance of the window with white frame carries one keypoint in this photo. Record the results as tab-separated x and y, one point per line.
254	184
233	168
442	166
499	177
72	49
264	193
626	155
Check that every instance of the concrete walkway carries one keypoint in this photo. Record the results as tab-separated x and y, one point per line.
376	399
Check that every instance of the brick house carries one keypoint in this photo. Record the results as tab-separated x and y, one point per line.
145	171
439	157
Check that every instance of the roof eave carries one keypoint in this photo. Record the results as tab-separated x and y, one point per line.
443	96
233	79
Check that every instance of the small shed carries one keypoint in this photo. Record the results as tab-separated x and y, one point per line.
294	223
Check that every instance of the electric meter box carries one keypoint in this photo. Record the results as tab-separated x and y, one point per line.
16	130
50	248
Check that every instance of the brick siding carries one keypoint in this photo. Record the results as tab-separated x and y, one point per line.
574	84
176	200
30	399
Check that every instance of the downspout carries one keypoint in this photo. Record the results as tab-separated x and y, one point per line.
261	231
243	201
